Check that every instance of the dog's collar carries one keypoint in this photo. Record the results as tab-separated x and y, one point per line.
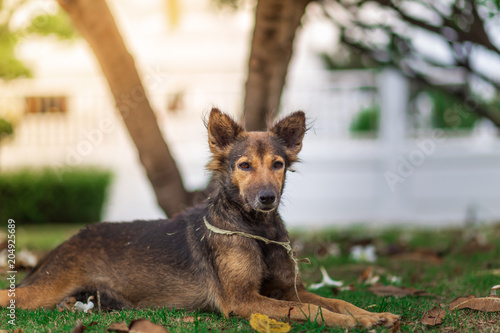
286	245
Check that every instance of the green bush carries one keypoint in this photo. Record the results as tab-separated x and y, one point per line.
366	121
43	196
5	128
450	113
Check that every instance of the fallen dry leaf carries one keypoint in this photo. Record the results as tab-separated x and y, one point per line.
79	328
382	290
188	319
396	328
366	275
484	304
425	256
67	304
120	327
433	317
145	326
369	277
137	326
477	243
263	324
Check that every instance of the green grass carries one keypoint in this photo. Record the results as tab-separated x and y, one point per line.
462	272
41	238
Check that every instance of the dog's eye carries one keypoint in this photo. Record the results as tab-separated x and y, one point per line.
244	165
277	165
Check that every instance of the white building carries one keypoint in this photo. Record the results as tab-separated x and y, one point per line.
401	177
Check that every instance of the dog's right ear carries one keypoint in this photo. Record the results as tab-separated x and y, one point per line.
222	131
290	130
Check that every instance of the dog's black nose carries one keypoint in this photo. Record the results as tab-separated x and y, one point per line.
267	197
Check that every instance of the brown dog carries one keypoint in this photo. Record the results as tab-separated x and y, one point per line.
191	261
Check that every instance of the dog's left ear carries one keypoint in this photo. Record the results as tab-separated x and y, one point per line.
291	130
222	131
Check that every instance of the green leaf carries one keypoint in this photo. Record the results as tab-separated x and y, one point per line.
10	66
58	25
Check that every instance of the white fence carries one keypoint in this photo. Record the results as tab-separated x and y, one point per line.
399	177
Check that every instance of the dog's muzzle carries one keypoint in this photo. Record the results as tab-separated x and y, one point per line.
266	201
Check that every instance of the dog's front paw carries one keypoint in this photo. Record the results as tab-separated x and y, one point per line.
375	319
366	321
387	319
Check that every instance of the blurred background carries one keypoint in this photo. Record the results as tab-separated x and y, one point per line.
103	103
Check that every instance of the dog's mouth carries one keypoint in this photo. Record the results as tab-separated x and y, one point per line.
265	210
265	207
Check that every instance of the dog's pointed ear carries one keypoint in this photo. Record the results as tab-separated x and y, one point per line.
222	130
291	130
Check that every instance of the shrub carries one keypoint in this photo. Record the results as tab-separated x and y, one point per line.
450	113
5	128
40	196
366	121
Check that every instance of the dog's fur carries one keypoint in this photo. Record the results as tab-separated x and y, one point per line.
179	263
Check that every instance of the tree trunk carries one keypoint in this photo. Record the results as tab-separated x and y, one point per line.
276	22
95	22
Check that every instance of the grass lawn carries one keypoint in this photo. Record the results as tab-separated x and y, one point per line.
442	264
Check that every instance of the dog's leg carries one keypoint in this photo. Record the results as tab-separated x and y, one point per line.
46	285
343	307
297	312
240	273
43	293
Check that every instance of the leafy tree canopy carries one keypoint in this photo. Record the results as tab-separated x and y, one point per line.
42	22
449	45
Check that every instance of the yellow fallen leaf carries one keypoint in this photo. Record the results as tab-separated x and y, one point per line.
263	324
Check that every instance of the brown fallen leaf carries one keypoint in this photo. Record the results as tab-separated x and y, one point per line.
368	276
146	326
477	244
425	256
382	290
137	326
484	304
433	317
79	327
120	327
187	319
67	304
396	328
